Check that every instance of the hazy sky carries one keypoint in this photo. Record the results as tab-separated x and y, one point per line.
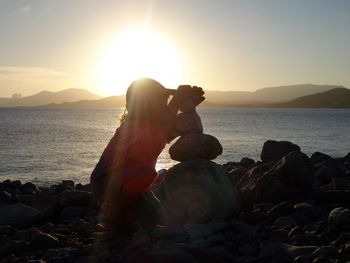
220	45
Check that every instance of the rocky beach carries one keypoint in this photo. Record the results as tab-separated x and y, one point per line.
288	207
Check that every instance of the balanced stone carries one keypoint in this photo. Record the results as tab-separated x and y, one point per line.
196	191
192	146
188	122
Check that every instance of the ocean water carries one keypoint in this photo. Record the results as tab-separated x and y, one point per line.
46	146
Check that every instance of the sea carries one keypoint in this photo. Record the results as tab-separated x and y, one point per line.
46	146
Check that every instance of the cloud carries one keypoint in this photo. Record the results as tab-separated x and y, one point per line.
29	71
29	80
24	9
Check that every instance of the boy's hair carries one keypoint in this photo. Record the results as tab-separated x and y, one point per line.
142	96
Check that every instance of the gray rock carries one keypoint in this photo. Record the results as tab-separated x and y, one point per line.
247	162
29	188
7	230
173	256
281	252
68	183
187	123
19	215
44	241
285	221
192	146
318	157
196	231
307	209
71	212
187	106
197	191
332	196
325	252
338	219
282	209
291	178
275	150
75	198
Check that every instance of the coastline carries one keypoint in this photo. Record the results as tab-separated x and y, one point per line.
61	222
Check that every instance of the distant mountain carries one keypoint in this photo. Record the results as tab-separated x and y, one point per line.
335	98
287	93
47	97
265	95
80	98
108	102
4	100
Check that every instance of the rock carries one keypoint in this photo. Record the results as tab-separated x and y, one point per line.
44	241
169	232
282	209
192	146
290	179
327	171
307	209
187	106
68	183
19	215
339	219
197	191
285	221
218	225
297	230
340	183
6	198
318	157
7	230
26	234
196	231
325	252
75	198
29	188
332	196
281	252
173	256
275	150
71	212
247	162
187	123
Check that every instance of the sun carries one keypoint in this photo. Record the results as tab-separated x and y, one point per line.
133	54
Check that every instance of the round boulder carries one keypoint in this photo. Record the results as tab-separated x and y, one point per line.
193	146
275	150
196	191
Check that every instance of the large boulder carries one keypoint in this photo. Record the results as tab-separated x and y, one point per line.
188	122
292	178
193	146
196	191
19	215
275	150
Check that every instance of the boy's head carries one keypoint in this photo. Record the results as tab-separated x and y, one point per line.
146	99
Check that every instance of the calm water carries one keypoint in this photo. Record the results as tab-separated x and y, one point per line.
46	146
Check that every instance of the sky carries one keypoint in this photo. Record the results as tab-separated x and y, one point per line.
219	45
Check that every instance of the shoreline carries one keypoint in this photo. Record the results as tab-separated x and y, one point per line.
60	223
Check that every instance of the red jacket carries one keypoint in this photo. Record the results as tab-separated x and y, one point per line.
130	157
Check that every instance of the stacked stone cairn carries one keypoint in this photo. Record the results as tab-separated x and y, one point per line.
196	190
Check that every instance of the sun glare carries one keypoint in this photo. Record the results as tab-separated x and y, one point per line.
133	54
